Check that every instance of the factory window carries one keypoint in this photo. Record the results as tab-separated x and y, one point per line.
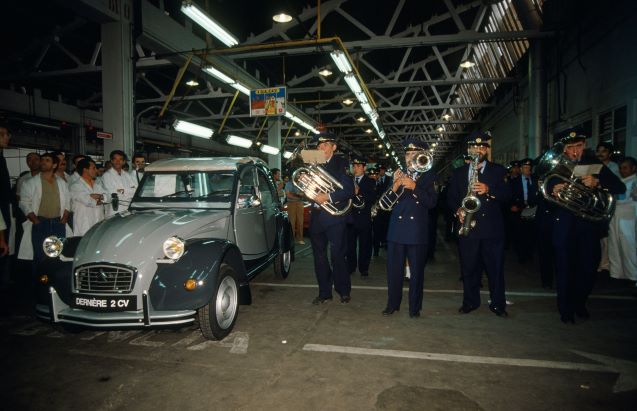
612	127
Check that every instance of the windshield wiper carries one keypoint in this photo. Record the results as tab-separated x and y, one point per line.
189	192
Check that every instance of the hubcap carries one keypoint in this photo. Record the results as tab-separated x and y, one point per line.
226	302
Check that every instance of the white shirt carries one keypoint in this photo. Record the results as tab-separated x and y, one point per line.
121	184
86	211
137	176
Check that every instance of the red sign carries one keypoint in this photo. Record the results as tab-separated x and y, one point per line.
104	135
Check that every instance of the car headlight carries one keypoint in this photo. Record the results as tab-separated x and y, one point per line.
52	246
174	248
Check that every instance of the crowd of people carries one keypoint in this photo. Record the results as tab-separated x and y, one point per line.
53	198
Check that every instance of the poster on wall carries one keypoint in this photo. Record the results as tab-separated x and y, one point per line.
268	101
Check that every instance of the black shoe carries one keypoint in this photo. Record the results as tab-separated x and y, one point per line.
414	315
389	311
500	312
345	299
567	318
321	300
465	309
583	313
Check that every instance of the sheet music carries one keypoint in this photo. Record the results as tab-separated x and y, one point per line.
313	156
587	170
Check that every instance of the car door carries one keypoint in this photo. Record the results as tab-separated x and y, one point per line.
270	205
249	229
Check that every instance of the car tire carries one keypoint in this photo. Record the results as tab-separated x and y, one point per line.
282	264
217	318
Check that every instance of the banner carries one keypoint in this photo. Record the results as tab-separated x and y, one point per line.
268	101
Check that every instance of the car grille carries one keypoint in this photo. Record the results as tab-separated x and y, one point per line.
104	278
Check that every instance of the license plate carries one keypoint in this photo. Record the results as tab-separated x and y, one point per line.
105	303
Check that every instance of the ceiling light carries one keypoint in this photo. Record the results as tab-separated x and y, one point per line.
282	18
239	141
387	144
192	83
467	64
393	153
375	139
360	119
325	72
341	61
192	129
368	131
440	129
269	149
287	154
241	88
258	143
352	82
446	117
218	75
348	102
297	133
380	146
208	23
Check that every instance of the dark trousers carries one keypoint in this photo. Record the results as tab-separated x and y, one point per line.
545	250
397	253
380	224
359	248
524	238
336	273
476	254
39	232
575	265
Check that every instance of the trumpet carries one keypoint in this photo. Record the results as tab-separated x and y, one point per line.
419	162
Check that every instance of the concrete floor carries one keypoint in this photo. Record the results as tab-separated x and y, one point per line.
286	353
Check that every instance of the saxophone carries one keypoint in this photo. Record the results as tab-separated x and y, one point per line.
470	203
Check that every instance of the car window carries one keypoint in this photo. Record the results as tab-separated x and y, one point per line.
187	186
266	190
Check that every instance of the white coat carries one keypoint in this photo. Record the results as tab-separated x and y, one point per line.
30	197
113	182
622	235
86	212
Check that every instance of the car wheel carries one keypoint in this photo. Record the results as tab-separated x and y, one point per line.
282	264
217	318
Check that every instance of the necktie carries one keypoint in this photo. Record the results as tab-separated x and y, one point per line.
358	180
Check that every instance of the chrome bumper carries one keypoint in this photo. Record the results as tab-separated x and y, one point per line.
57	311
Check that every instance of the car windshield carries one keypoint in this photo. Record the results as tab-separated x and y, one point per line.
210	189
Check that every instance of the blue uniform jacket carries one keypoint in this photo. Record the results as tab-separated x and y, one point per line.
489	220
336	167
367	190
517	192
409	220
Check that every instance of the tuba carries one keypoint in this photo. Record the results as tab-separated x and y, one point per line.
312	180
419	161
591	204
470	203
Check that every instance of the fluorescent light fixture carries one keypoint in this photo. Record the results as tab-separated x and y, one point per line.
382	134
467	64
393	153
217	74
33	123
282	18
269	149
238	141
374	115
287	154
369	131
352	83
387	145
360	119
301	122
192	129
341	61
348	101
192	83
241	88
208	23
325	73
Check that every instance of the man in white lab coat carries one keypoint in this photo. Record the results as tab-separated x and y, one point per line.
45	201
622	244
119	182
87	197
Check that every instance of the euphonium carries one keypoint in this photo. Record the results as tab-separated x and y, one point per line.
419	161
312	180
588	203
470	203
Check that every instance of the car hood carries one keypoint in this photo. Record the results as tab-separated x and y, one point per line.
135	238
